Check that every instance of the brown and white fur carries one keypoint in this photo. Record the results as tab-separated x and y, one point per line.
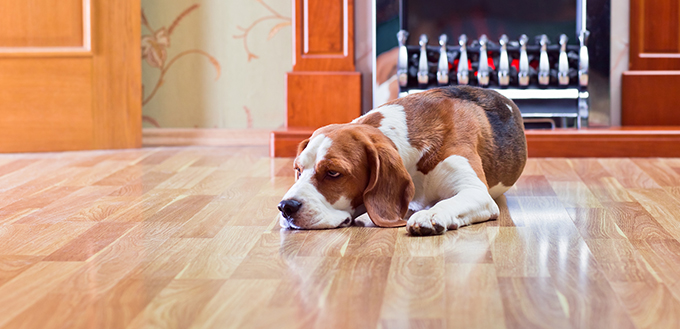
432	161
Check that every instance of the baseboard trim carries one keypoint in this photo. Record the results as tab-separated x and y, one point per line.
611	142
607	142
152	137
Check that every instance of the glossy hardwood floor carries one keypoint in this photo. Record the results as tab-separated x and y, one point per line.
188	238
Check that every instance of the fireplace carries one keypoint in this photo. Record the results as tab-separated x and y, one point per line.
550	57
325	86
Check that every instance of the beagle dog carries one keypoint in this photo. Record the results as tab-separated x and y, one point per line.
433	161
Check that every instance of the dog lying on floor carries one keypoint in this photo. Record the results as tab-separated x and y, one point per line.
432	161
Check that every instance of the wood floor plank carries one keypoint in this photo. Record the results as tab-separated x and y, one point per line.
659	171
468	286
124	176
37	186
143	207
558	170
358	288
650	305
11	266
267	259
144	184
101	209
181	209
532	303
628	174
145	242
593	223
186	178
223	254
44	238
215	183
67	206
235	303
189	237
90	242
575	194
635	222
38	200
96	173
30	286
662	206
516	253
414	289
35	170
663	256
178	304
601	183
15	165
528	185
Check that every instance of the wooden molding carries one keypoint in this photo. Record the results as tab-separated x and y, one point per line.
284	143
609	142
323	35
323	87
316	99
152	137
650	98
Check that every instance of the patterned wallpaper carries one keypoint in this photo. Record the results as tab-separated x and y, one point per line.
215	63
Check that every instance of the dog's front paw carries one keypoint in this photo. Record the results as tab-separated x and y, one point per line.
425	222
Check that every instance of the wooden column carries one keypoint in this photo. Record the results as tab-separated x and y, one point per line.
323	87
650	94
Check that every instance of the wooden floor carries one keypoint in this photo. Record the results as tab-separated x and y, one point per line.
188	238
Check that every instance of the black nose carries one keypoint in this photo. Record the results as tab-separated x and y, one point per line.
288	208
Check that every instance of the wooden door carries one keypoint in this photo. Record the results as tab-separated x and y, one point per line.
70	75
649	94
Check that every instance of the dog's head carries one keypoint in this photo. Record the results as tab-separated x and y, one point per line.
338	170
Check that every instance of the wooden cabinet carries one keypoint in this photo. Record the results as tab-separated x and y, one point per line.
70	75
650	95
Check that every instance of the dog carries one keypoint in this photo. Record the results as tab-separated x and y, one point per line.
433	161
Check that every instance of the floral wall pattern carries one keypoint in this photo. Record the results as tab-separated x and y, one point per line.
215	63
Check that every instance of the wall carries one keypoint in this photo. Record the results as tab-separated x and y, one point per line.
619	55
215	63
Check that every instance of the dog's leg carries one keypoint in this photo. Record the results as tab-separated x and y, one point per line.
464	198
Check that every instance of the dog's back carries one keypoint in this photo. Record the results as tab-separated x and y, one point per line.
467	121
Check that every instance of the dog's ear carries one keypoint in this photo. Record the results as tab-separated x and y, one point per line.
389	189
302	146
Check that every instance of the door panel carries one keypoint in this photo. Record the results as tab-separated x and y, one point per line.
70	76
41	23
46	104
655	34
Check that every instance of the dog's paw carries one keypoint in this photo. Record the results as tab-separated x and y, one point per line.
425	222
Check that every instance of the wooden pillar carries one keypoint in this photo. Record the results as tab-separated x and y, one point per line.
323	87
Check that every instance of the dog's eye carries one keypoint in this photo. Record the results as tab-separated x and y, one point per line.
297	172
333	174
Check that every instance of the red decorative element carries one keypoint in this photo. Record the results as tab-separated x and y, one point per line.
515	64
491	63
534	64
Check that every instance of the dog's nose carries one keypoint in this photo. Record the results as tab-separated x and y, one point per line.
288	208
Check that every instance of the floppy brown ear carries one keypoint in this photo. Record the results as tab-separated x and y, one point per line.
389	189
302	146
